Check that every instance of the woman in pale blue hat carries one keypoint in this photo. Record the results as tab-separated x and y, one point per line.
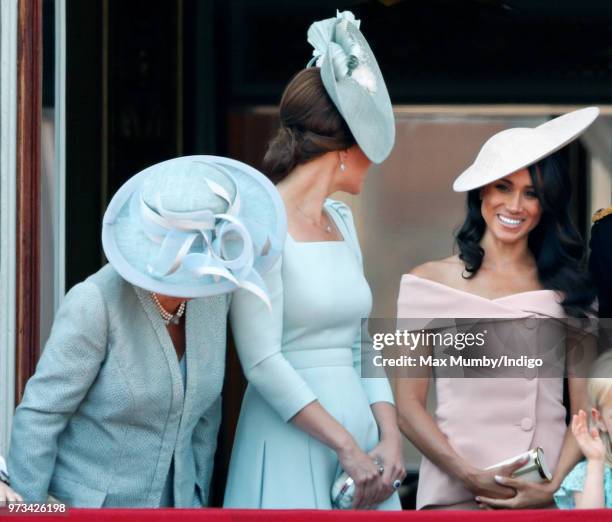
125	404
307	414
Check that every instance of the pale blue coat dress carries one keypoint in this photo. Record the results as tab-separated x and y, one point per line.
108	419
307	349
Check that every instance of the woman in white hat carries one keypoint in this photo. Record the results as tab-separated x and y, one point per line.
125	404
519	258
307	414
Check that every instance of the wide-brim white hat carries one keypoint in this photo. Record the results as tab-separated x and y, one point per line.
353	80
195	226
514	149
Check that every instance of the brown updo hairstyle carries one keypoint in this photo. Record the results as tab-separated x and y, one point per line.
310	126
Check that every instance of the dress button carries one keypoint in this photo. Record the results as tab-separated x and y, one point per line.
526	424
530	373
531	323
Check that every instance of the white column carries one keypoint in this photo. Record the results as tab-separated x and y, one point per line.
8	170
53	190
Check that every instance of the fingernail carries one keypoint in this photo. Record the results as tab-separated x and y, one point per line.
477	499
499	478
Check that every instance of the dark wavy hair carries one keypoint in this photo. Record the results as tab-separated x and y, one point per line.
310	126
555	243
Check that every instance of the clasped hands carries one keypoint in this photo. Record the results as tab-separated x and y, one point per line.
497	489
374	473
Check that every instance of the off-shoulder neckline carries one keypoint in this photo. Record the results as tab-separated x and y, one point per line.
453	289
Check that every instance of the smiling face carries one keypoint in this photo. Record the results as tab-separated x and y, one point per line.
510	207
356	164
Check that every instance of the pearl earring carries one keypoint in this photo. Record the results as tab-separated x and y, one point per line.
342	166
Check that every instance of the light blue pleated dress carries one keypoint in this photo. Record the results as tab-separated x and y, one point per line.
307	348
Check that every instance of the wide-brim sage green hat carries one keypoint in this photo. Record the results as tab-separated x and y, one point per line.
353	80
195	226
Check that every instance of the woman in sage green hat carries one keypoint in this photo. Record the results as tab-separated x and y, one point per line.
125	404
307	414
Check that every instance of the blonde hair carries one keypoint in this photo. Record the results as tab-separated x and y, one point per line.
599	386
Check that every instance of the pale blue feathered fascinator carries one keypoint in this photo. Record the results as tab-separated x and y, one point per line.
353	80
347	56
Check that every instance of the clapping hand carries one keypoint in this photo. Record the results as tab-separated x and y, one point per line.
588	439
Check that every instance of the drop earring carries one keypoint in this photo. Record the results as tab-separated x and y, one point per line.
342	166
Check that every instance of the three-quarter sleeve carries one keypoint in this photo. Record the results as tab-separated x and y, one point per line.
258	335
68	366
377	389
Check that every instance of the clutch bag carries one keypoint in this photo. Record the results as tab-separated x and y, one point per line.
343	492
535	470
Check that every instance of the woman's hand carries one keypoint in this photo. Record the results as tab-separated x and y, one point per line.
389	454
529	495
483	482
364	472
8	495
589	441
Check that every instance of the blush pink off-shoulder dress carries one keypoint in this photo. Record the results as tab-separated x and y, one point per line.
487	420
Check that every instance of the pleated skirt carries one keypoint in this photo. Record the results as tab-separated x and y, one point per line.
275	465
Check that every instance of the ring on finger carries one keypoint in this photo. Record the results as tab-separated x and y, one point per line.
381	468
397	483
